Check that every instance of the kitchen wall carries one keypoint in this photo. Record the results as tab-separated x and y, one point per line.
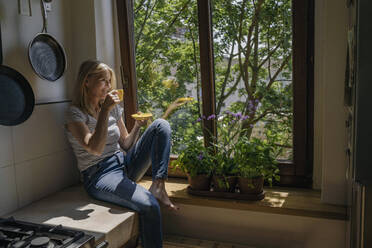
329	115
35	157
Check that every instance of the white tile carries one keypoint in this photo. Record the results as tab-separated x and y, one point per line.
40	177
41	134
6	152
8	192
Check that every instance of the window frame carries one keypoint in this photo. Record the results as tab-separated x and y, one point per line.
293	173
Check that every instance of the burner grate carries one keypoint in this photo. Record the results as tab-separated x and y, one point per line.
20	234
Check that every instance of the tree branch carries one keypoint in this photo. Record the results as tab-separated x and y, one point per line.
285	61
163	35
266	112
227	73
139	6
240	48
147	14
269	55
255	69
233	88
196	70
254	24
250	30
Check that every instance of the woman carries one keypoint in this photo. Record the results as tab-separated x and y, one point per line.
97	133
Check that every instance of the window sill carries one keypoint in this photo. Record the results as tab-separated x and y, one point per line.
278	200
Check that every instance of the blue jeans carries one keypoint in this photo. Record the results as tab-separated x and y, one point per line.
113	179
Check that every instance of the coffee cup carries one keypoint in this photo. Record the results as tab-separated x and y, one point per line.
120	94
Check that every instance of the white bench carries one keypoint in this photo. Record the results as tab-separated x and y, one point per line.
74	208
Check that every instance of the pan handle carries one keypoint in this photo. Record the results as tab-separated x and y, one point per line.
45	16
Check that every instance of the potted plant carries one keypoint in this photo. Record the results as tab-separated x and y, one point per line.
224	172
196	161
256	163
225	168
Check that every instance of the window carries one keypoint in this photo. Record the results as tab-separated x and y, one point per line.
290	62
166	42
252	43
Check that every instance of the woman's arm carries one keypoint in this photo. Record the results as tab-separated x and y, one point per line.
94	142
177	103
127	140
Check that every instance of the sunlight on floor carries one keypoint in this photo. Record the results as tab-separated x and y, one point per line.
276	199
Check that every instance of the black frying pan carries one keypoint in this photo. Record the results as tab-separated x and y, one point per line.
17	99
45	54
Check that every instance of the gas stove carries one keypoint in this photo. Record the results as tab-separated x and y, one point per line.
21	234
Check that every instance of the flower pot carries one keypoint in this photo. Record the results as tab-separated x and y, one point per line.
199	182
250	185
224	184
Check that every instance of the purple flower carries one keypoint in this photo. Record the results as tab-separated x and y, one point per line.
211	117
198	120
245	117
237	115
251	125
201	156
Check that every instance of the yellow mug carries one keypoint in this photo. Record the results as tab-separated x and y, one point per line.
120	94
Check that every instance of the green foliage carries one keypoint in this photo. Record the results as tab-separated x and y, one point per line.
252	55
229	129
254	158
195	159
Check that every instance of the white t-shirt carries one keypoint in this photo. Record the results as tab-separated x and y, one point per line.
84	158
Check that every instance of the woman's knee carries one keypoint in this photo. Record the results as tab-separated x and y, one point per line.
162	126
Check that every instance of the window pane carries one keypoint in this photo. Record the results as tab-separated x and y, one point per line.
253	64
167	64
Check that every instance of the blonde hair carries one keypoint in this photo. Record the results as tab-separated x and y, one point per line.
89	68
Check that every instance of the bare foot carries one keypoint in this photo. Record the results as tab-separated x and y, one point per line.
157	188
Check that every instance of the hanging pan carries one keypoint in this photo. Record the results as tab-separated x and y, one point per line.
46	55
17	99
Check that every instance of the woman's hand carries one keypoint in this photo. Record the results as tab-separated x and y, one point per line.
177	103
141	123
111	100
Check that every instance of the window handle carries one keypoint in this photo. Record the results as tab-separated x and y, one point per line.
124	79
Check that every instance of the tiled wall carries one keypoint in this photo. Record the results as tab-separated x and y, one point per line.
36	158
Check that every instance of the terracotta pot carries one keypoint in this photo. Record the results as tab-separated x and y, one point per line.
250	185
219	183
199	182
